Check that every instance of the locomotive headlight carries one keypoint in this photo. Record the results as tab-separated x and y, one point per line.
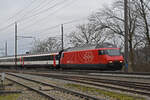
110	61
121	61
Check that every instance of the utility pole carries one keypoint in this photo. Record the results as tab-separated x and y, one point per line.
62	36
126	53
16	44
6	48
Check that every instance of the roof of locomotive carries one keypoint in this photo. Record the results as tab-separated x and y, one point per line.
90	47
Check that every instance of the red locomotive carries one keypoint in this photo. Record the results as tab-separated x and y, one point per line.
92	57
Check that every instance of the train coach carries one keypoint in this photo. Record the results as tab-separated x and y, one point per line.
102	57
49	60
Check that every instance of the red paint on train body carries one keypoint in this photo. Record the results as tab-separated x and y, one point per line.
102	58
54	61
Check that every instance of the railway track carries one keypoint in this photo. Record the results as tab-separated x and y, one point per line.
12	77
136	75
15	79
142	88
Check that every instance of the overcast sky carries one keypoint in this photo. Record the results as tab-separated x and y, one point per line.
35	16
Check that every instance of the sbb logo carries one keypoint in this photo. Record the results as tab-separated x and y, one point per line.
88	57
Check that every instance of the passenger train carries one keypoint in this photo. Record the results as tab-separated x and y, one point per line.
102	57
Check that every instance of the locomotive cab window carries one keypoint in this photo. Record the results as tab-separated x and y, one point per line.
101	52
113	52
110	52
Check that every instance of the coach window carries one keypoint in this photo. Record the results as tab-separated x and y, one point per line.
51	57
38	58
46	57
56	57
25	58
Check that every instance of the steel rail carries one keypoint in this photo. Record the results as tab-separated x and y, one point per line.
87	97
92	81
92	78
9	92
33	89
143	75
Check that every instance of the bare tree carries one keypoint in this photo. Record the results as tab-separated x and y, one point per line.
111	19
144	12
49	45
87	34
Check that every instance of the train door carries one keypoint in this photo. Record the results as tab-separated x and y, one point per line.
22	62
54	61
102	55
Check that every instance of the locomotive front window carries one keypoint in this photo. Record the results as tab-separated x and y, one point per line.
113	52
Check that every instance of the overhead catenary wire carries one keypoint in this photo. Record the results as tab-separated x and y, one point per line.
43	11
28	6
21	10
34	10
6	27
58	26
49	15
34	18
11	24
42	19
38	7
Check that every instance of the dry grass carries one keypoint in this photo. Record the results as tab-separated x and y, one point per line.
112	95
9	97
